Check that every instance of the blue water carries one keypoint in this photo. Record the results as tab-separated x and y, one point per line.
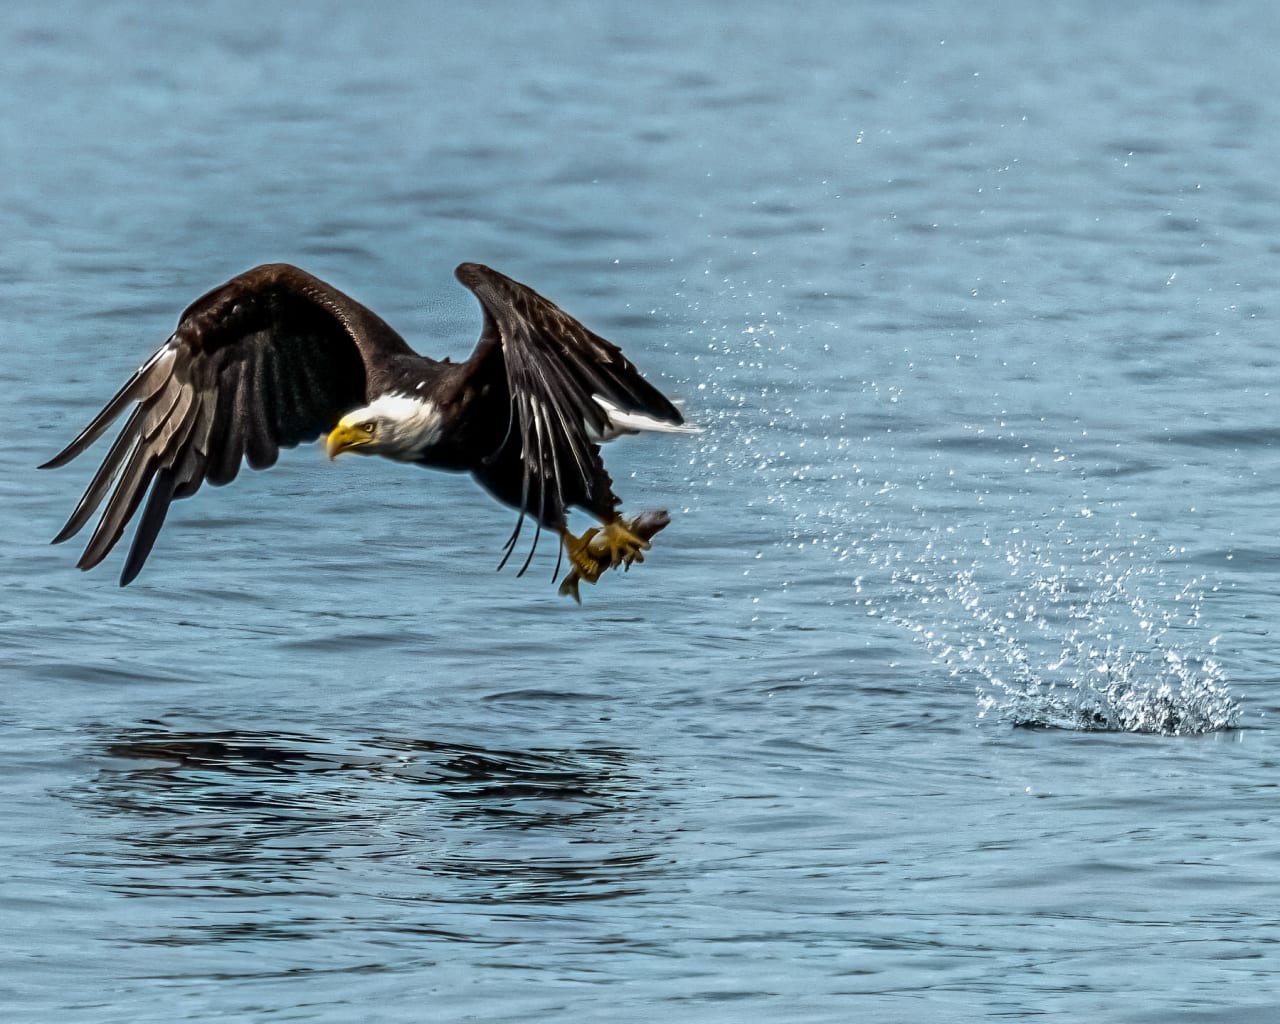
947	695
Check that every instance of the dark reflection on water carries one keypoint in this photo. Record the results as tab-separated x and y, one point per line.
228	813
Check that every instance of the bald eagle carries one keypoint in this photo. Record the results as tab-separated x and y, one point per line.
276	357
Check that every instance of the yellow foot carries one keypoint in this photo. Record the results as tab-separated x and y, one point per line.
617	545
585	563
619	542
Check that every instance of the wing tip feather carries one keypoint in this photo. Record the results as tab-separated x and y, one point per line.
472	274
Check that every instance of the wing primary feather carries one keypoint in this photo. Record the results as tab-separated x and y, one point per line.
542	485
177	438
128	494
224	463
259	448
555	475
176	427
537	533
510	544
175	449
512	540
159	411
151	375
555	394
570	436
189	472
98	487
560	503
188	461
524	490
221	400
269	392
146	457
144	537
206	406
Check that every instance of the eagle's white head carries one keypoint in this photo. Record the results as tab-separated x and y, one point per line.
395	426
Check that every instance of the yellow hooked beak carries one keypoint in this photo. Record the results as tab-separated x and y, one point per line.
344	437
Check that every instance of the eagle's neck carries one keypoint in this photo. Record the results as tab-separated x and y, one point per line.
408	425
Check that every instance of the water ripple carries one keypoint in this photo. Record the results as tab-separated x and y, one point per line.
239	814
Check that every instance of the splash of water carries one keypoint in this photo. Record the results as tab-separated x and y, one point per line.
1076	642
1069	626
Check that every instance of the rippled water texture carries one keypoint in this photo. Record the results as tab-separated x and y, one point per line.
945	696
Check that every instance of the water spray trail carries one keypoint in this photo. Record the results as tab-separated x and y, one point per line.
1065	619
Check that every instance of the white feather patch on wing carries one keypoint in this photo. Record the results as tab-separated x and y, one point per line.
623	422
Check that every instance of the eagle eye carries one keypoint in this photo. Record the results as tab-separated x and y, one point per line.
368	428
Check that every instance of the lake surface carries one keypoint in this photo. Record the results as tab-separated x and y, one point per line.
946	696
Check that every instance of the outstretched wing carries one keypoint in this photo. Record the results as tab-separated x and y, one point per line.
568	387
267	361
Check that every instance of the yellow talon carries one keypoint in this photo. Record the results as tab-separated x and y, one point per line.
581	557
617	543
621	545
586	566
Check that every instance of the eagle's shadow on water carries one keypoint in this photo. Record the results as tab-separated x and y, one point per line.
240	813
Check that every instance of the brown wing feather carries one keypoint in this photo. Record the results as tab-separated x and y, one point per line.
555	368
269	360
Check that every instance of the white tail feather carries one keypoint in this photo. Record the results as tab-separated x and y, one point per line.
623	422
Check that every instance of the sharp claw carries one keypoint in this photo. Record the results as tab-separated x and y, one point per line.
584	561
618	543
